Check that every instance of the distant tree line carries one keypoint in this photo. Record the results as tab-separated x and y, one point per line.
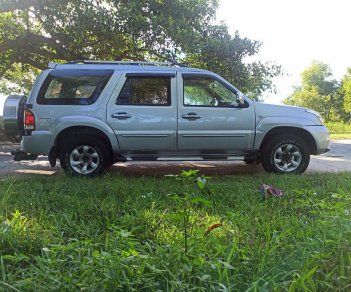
321	92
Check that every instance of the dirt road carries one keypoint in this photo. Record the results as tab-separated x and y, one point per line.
339	159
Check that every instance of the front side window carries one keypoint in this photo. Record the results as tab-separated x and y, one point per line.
73	86
146	91
205	91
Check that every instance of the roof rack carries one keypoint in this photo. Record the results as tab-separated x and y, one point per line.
140	63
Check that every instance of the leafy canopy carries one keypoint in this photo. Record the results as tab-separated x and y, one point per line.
346	90
35	32
317	90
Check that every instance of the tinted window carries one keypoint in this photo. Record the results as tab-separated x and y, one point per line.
146	91
204	91
73	86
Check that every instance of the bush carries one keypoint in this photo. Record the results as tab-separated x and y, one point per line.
339	128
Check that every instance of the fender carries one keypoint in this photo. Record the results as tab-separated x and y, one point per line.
65	122
265	125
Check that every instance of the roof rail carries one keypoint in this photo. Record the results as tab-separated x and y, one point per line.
145	63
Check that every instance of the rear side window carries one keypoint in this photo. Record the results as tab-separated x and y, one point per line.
146	91
73	86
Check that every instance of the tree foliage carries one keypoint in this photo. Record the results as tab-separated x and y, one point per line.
35	32
346	90
319	91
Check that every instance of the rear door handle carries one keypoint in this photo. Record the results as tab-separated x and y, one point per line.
121	116
191	116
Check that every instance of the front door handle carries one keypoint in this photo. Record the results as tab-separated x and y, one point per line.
191	116
121	116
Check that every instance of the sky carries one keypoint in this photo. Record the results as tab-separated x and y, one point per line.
293	33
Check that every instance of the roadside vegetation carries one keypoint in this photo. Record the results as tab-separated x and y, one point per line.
321	92
339	130
175	233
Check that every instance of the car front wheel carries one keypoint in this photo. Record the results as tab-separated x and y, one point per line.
286	154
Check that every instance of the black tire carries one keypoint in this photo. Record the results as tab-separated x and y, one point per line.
84	156
285	155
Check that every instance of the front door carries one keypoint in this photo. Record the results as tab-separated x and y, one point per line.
143	112
211	118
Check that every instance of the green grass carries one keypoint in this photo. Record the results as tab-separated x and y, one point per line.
342	136
118	233
339	131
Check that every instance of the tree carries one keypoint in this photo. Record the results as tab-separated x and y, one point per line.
317	90
340	112
35	32
224	54
346	90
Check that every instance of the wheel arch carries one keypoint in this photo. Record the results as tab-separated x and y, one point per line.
284	130
85	131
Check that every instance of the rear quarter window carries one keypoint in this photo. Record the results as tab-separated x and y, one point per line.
75	87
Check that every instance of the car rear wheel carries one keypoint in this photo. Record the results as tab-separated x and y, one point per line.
84	156
286	154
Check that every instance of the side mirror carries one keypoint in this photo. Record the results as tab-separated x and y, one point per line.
241	99
241	103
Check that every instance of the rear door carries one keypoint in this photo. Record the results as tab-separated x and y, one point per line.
210	118
143	112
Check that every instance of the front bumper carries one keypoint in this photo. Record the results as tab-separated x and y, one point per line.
321	136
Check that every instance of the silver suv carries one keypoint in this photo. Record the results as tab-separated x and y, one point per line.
91	114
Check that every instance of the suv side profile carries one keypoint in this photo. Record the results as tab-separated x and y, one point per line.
91	114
